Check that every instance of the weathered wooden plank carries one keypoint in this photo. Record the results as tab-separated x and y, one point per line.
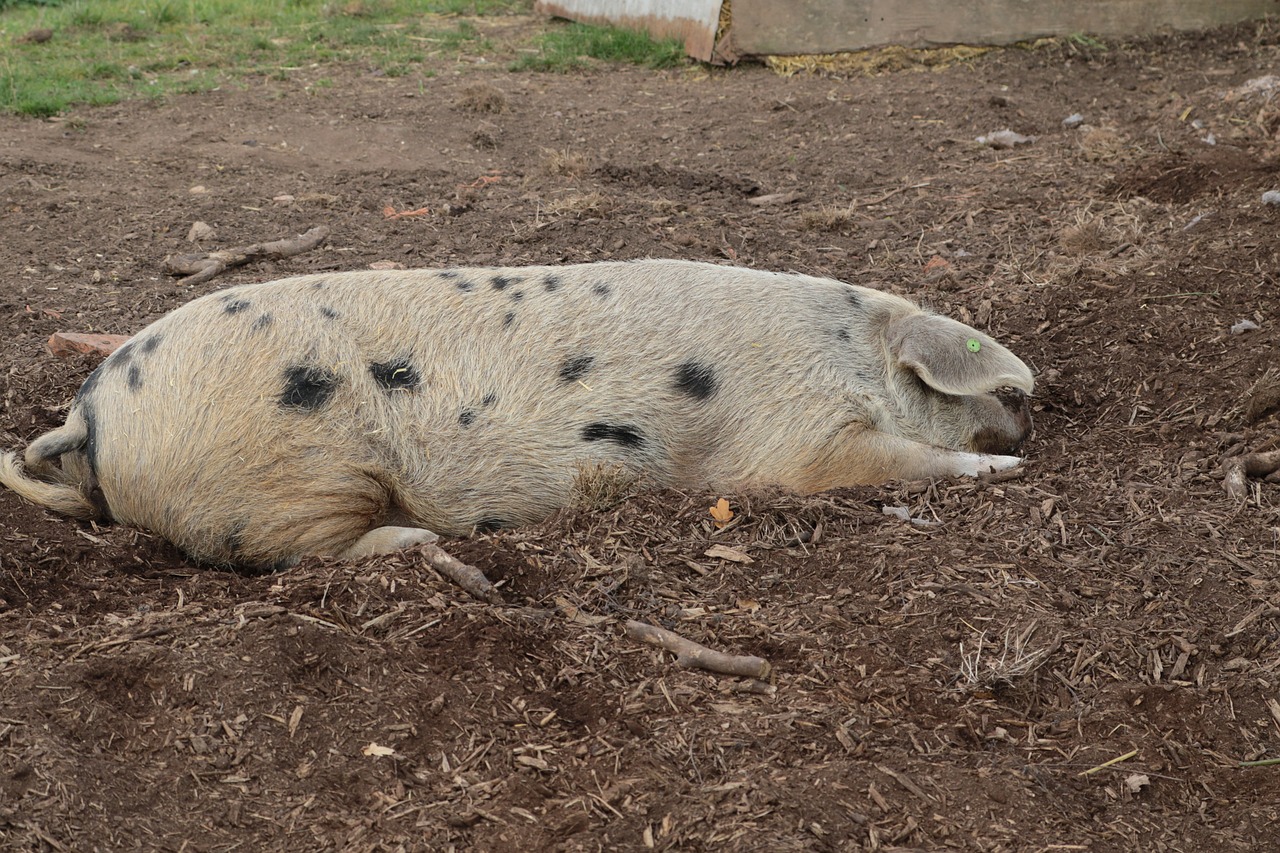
694	21
830	26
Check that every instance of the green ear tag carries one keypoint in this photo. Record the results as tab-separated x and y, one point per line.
974	344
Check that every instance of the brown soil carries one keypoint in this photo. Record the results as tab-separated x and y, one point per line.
941	686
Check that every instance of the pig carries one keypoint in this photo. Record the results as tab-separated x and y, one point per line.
356	413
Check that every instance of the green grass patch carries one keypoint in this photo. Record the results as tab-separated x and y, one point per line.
10	4
573	46
102	51
1087	41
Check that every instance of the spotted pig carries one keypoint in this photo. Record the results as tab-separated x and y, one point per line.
355	413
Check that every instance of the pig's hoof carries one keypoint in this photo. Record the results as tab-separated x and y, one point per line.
973	464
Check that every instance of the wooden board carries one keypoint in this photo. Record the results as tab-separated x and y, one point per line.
693	21
762	27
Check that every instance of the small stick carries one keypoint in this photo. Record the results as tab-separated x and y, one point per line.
1266	762
471	579
1107	764
199	267
691	654
905	781
1008	475
890	194
103	645
1239	469
756	686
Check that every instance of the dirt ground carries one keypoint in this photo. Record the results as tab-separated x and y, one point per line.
941	685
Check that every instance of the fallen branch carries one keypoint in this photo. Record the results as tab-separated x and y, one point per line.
1240	468
691	654
199	267
471	579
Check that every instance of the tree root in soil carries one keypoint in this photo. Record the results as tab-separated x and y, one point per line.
199	267
1240	468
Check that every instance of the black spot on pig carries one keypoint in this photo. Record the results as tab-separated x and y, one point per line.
135	378
854	300
329	313
319	285
516	295
90	383
625	436
261	323
696	380
601	289
489	399
121	357
464	285
509	319
88	412
234	306
398	375
551	283
576	367
307	387
467	417
448	274
842	335
502	282
99	500
149	344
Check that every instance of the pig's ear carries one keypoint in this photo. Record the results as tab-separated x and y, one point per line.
954	358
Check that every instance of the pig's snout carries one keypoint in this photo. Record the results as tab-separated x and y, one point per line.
1007	437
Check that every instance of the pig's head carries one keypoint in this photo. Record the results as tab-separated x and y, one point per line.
955	387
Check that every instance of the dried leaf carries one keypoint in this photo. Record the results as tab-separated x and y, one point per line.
1136	782
721	512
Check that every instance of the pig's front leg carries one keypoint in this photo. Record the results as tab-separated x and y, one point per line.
857	455
384	540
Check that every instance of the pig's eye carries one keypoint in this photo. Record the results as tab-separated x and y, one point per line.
1010	396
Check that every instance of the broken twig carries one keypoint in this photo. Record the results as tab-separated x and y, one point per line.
1240	468
991	478
471	579
1104	765
691	654
776	198
199	267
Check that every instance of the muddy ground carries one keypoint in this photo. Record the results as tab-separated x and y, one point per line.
936	686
